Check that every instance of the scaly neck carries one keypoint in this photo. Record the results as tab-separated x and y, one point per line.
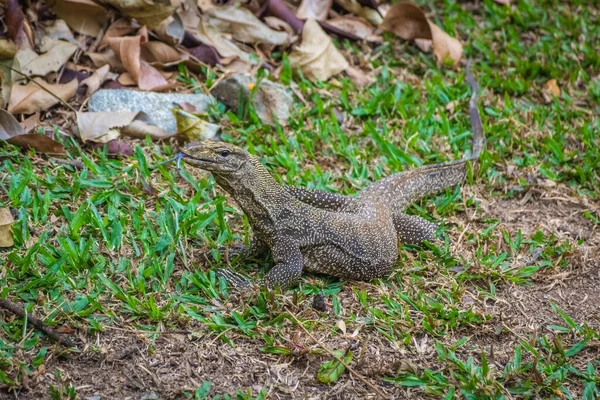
255	190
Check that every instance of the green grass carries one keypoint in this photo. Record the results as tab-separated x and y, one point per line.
117	242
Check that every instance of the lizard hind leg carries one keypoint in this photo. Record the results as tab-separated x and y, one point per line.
414	230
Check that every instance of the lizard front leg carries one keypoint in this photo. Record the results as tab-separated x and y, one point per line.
289	262
287	270
255	249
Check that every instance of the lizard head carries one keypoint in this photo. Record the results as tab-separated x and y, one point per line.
217	157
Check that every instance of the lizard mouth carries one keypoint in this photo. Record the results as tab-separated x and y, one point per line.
185	155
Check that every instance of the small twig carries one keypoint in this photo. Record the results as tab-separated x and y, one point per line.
38	323
44	89
352	371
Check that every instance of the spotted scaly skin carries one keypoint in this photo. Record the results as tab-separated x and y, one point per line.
351	237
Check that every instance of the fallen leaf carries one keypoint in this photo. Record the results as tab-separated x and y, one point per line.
354	25
341	325
354	7
8	49
128	49
106	57
17	27
126	79
205	5
209	35
119	28
58	30
13	133
140	128
9	126
159	52
280	25
30	64
6	221
330	371
30	122
94	81
445	47
100	127
147	12
29	98
552	88
244	26
409	22
317	56
192	127
171	30
359	77
83	16
104	127
5	81
424	44
205	54
314	9
503	2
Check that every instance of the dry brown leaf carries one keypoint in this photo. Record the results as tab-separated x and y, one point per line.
409	22
100	127
13	133
209	35
58	30
316	56
445	47
354	7
503	2
30	122
314	9
104	127
244	26
29	98
126	79
159	52
205	5
94	81
128	49
106	57
140	128
5	81
6	221
359	77
119	28
357	26
42	65
280	25
171	30
83	16
8	49
9	126
147	12
424	45
552	88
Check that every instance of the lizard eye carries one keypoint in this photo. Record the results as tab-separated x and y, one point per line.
224	153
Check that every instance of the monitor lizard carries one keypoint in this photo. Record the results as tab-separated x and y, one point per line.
350	237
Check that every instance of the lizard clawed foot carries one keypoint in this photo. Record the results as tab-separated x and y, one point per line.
236	280
227	253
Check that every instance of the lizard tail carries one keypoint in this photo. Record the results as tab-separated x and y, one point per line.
405	187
